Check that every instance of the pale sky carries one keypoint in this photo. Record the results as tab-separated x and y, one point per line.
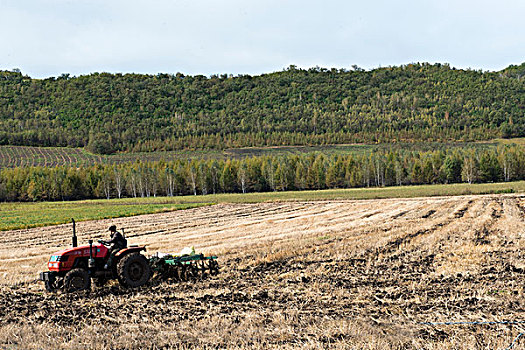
49	37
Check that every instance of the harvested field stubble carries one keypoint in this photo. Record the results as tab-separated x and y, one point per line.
334	274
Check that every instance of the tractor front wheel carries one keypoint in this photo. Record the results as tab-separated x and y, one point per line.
76	280
53	285
133	270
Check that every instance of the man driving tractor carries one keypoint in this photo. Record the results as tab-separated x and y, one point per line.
116	243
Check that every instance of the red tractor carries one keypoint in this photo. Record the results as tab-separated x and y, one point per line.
72	269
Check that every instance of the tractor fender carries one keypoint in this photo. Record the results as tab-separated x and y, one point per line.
128	250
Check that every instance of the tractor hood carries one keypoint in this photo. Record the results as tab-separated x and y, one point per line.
65	259
83	250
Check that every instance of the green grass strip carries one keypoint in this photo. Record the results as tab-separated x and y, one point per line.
27	215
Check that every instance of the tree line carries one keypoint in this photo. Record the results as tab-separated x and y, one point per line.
312	171
135	112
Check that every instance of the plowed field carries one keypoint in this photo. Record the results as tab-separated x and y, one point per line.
339	274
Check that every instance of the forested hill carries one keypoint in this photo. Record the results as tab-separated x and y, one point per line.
124	112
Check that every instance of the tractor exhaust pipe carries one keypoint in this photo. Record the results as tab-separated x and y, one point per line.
91	262
75	243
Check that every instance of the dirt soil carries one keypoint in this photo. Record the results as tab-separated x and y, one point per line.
334	274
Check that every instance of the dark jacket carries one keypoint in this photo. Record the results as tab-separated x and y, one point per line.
117	240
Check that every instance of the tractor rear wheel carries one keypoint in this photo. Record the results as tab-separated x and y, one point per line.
133	270
76	279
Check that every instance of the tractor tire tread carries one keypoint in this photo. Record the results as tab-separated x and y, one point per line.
123	270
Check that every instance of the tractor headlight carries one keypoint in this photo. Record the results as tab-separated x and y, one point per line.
60	258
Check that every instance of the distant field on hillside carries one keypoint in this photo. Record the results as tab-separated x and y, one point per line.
23	156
